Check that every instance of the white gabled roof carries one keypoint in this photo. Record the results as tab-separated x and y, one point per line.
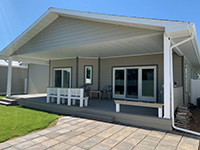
53	13
174	29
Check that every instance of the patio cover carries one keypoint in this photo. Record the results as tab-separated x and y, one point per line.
159	36
132	46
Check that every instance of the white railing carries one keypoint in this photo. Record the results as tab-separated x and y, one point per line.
66	93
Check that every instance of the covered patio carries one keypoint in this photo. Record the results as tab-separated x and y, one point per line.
132	115
141	59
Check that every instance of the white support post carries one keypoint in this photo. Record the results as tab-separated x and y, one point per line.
81	97
86	101
9	77
69	97
25	86
160	112
117	107
58	96
166	77
48	97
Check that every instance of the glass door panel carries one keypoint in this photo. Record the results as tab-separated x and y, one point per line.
58	78
119	82
66	78
62	77
148	84
132	83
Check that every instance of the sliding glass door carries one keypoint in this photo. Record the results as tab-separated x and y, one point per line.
62	77
136	83
58	78
148	85
119	82
132	83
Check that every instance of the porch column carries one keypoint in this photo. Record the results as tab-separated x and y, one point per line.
9	77
166	77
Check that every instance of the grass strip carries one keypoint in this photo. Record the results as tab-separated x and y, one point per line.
18	121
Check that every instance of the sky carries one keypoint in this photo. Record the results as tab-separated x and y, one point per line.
17	15
14	63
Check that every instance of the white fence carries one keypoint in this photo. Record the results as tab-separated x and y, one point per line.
195	90
178	97
66	94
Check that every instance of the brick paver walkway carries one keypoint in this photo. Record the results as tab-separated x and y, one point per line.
81	134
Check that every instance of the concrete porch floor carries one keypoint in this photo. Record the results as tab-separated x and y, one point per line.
95	103
132	115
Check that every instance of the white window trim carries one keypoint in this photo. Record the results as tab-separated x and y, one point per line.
90	74
140	97
62	69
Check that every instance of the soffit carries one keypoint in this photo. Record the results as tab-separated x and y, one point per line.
146	44
53	13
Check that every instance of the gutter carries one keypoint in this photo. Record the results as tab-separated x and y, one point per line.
172	88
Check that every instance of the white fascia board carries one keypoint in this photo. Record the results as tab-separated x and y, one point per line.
174	27
192	29
168	26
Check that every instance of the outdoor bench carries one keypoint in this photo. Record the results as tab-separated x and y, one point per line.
141	104
69	94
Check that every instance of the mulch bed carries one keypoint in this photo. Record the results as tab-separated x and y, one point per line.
194	123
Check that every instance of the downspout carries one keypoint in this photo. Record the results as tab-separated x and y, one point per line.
172	88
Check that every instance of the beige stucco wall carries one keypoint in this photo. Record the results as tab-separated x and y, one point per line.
178	69
18	76
88	62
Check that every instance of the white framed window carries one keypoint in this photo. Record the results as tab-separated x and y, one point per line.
88	74
136	83
62	77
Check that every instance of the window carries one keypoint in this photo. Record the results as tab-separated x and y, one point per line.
88	74
135	83
62	77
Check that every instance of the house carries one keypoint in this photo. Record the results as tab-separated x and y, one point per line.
148	60
18	79
25	78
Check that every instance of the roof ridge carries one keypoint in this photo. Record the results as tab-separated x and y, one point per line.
118	15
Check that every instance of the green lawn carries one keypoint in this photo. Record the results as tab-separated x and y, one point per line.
2	96
17	121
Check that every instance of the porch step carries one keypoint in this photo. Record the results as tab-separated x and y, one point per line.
5	103
96	116
8	101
